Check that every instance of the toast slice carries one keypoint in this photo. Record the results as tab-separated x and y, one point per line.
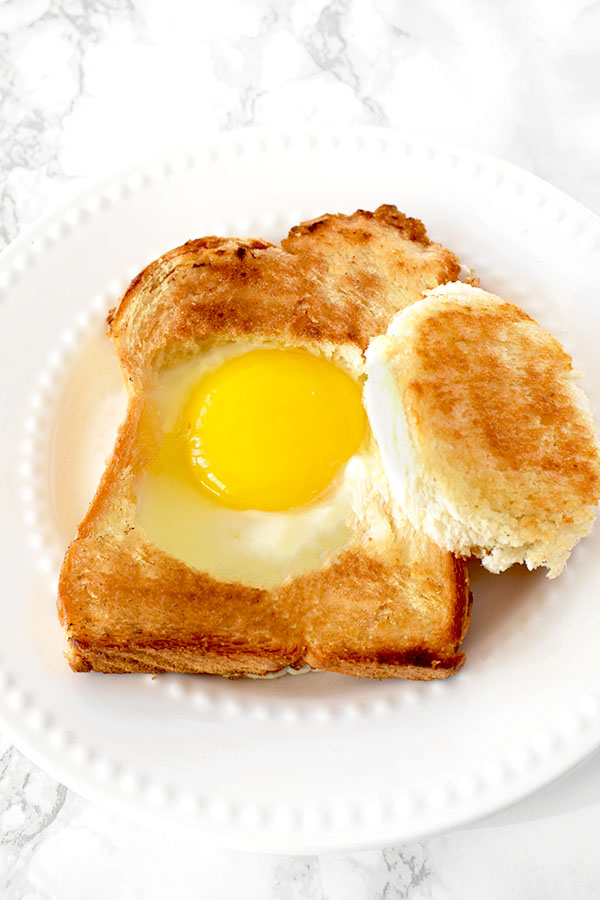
490	445
389	602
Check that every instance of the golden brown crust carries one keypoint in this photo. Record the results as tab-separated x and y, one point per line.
185	660
493	439
343	618
336	286
490	372
127	606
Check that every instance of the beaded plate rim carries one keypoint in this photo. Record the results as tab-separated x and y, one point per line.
230	823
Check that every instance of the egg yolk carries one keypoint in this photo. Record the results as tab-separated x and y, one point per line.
269	429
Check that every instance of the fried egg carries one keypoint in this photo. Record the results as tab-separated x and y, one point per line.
263	450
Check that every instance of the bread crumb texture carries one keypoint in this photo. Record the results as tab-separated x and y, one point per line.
497	443
391	603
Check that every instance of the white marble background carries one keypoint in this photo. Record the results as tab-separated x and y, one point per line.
87	86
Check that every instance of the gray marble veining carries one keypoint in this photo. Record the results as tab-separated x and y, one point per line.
88	86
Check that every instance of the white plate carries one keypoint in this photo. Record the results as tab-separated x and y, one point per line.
318	762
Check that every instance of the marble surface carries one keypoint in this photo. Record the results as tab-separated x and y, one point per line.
88	86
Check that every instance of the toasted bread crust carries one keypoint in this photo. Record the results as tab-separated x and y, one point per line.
499	432
336	285
394	609
513	398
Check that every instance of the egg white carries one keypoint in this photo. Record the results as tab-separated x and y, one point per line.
252	547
